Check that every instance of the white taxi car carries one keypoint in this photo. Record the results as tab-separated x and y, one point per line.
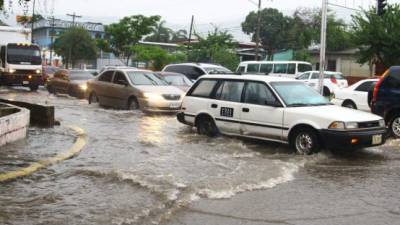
276	109
355	96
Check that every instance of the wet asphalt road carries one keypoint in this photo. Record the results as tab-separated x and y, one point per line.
149	169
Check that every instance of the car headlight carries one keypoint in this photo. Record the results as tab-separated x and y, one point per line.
382	123
11	70
153	96
83	87
337	125
351	125
38	71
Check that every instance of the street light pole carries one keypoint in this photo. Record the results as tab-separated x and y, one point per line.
33	19
322	56
258	29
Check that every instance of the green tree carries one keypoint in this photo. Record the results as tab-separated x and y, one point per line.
160	34
179	36
157	56
75	44
121	37
378	37
274	28
217	47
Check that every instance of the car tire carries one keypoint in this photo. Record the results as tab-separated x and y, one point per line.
93	99
305	141
34	87
133	104
326	91
394	126
349	104
206	126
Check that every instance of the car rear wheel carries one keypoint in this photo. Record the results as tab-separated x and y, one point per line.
206	126
349	104
306	141
395	126
34	87
93	99
133	104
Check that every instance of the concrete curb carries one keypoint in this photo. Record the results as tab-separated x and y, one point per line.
74	150
14	122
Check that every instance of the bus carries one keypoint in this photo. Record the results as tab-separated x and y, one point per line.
290	69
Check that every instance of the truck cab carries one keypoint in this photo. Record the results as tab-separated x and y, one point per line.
21	65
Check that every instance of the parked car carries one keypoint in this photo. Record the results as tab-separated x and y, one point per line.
332	81
134	89
386	99
277	109
176	79
71	82
289	69
195	70
355	96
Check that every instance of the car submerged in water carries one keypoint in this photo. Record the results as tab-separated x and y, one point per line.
133	89
277	109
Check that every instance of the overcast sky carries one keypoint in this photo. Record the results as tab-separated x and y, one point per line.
208	13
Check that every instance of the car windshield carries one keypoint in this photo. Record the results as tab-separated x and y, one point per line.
146	78
217	70
297	94
178	80
23	54
80	75
338	76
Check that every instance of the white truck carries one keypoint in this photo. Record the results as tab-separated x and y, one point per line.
20	60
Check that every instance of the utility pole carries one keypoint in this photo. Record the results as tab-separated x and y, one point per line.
33	19
190	33
73	15
52	34
70	47
258	30
322	56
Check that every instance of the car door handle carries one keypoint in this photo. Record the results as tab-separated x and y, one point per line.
245	109
214	106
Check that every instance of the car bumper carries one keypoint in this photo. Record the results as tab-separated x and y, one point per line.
181	118
160	105
21	79
337	102
352	139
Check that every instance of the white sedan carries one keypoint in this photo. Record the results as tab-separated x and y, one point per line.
332	81
355	96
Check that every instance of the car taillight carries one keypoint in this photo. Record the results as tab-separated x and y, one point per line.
376	88
333	79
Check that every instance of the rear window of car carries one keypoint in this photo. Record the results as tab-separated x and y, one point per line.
204	88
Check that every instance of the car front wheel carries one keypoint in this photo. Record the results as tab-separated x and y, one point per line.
395	126
93	98
306	141
133	104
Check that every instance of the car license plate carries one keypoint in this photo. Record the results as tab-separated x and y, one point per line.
25	82
175	105
376	139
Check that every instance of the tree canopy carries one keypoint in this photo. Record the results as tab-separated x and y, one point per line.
157	56
160	33
77	43
378	37
123	36
217	47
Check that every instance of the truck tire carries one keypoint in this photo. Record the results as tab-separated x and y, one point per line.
34	87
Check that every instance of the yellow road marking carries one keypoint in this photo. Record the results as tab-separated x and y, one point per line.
74	150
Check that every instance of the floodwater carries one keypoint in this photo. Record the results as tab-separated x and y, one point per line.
147	169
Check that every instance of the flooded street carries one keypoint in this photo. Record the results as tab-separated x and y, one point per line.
150	169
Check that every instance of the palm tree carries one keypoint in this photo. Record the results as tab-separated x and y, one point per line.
160	33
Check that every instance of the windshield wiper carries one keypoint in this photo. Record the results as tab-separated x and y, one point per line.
298	104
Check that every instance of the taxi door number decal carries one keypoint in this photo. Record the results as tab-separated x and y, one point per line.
226	112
